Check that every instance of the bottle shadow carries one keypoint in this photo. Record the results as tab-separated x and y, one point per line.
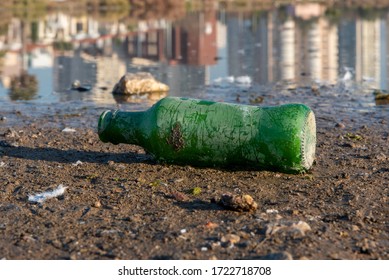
72	155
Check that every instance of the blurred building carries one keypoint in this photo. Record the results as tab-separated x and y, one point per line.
368	52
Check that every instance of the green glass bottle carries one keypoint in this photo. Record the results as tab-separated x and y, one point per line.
204	133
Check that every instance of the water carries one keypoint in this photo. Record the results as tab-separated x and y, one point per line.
327	58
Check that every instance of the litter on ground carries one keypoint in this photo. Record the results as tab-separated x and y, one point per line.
41	197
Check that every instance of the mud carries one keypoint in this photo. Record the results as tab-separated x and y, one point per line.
121	204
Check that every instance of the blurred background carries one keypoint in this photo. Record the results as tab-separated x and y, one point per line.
232	50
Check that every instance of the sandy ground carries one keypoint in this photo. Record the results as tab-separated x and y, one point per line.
121	204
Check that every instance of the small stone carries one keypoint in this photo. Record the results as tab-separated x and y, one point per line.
340	125
296	230
301	227
97	204
355	228
56	244
315	89
139	83
241	202
73	256
179	196
11	133
230	238
211	225
366	246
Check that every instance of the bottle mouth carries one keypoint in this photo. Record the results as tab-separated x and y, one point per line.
104	121
308	145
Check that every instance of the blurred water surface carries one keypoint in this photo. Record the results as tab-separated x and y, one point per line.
327	57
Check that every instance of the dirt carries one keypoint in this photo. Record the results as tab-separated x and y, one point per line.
121	204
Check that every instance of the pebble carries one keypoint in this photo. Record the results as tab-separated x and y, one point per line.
179	196
355	228
211	225
97	204
366	246
340	125
241	202
298	229
11	133
230	238
301	227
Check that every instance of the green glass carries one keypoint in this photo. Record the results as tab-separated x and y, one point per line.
204	133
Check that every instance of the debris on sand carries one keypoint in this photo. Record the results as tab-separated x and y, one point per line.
195	191
68	129
211	225
77	163
241	202
41	197
76	85
179	196
230	238
138	83
296	229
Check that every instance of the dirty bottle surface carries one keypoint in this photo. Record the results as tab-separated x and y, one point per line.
205	133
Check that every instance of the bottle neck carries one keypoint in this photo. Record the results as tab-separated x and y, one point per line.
121	127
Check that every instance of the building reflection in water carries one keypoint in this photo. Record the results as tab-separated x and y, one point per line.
298	44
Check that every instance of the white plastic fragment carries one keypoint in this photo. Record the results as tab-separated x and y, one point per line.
246	80
41	197
240	80
68	129
229	79
2	164
78	162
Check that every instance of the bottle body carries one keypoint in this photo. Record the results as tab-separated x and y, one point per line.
204	133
